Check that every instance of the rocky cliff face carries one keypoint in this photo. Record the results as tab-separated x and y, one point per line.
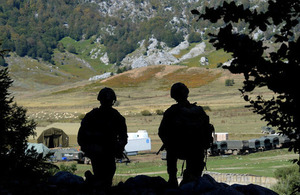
155	55
177	12
138	10
178	16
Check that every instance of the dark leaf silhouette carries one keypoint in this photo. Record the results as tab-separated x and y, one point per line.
277	69
195	12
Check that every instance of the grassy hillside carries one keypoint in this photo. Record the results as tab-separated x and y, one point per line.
86	60
138	89
87	50
30	74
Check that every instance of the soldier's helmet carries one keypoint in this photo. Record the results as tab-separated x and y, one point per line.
107	96
179	92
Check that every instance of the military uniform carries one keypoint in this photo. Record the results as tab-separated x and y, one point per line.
103	136
180	132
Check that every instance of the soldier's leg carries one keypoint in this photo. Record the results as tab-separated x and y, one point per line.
191	172
109	170
194	168
172	169
104	169
96	166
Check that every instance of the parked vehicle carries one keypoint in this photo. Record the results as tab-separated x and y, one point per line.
265	143
237	146
218	148
254	145
67	154
274	140
284	141
138	141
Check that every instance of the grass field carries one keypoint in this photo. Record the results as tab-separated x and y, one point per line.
260	163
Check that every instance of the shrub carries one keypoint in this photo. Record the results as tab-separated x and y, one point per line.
229	82
2	62
288	180
219	65
72	168
146	113
206	108
194	37
81	116
68	168
159	112
117	103
72	49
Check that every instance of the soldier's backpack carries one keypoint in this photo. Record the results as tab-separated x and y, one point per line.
97	134
192	130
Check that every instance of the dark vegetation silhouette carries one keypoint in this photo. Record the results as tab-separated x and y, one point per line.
19	165
3	52
186	134
277	70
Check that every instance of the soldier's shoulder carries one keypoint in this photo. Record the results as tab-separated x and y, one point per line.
171	109
174	107
93	112
198	109
116	113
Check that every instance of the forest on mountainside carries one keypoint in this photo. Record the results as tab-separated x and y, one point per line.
34	27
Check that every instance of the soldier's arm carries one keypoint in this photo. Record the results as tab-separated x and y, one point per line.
123	132
163	128
203	115
81	136
84	134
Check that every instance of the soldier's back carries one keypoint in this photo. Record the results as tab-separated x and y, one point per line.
99	126
184	128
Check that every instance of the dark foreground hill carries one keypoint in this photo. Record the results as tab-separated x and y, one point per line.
66	183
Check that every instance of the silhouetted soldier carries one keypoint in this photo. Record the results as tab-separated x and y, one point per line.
182	135
103	136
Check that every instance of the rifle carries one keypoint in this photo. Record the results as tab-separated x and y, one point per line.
161	149
123	158
126	157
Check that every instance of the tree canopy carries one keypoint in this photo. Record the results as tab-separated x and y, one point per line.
277	69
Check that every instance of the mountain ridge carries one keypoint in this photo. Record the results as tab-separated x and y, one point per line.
36	28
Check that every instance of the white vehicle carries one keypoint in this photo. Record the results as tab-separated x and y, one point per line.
138	141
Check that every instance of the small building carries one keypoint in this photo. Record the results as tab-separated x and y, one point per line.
220	136
54	137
